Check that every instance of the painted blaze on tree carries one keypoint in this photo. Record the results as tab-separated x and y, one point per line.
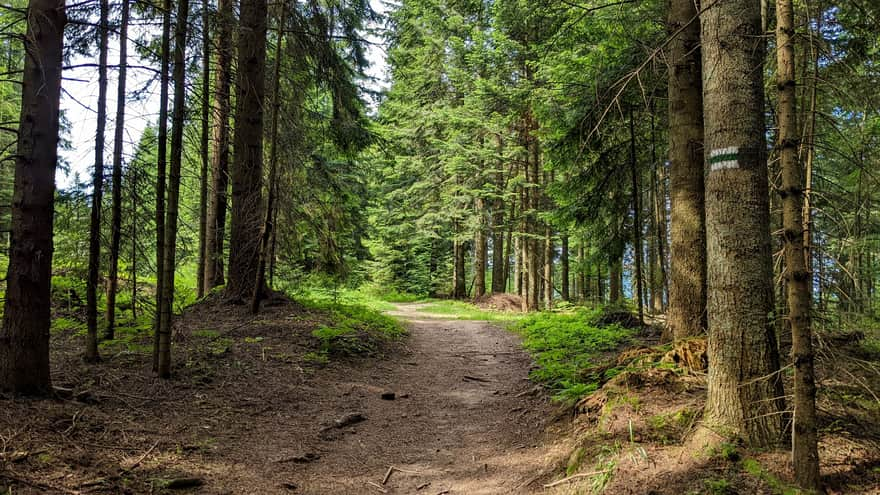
744	387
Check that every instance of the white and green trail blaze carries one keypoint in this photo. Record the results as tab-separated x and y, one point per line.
724	158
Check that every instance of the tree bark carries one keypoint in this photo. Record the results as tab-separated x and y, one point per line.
268	227
805	456
215	231
481	249
499	262
205	138
91	354
744	385
116	206
24	341
548	267
247	166
177	120
687	284
637	219
161	166
564	275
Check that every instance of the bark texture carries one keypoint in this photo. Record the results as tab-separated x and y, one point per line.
805	455
177	121
24	339
247	166
744	386
215	223
91	354
687	284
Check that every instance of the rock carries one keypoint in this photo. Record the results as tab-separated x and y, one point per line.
300	458
289	485
388	395
183	483
349	419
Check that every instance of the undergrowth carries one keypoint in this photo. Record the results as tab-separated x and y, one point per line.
465	311
565	344
354	329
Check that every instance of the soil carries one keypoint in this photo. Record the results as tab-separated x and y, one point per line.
246	413
449	409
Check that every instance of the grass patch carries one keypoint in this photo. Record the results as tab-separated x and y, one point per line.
355	329
461	310
754	468
564	344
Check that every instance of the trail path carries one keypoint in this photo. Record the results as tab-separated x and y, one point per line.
465	420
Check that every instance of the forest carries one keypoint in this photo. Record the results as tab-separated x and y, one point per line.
440	246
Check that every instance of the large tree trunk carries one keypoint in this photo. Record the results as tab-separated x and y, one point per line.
247	171
481	249
687	286
459	285
805	456
268	225
116	208
91	354
499	262
534	267
205	138
744	385
161	166
177	120
24	341
215	229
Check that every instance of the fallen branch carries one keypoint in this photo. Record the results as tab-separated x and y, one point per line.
576	476
377	486
140	459
475	379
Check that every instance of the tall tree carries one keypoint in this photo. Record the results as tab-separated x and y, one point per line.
166	307
91	354
215	230
204	152
161	170
805	455
24	341
744	386
687	285
116	213
247	166
268	227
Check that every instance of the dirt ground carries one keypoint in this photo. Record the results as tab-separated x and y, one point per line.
247	416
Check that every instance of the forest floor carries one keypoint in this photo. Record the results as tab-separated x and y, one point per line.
246	413
262	405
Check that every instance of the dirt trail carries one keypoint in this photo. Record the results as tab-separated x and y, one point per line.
466	419
244	414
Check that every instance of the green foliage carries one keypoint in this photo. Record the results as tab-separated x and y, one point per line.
564	344
467	311
778	487
355	329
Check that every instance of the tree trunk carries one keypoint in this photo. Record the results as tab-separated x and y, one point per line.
499	262
116	206
24	341
582	279
687	285
564	261
203	172
744	386
805	456
177	121
268	227
215	229
459	286
91	354
247	166
637	218
548	267
534	267
480	250
161	165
